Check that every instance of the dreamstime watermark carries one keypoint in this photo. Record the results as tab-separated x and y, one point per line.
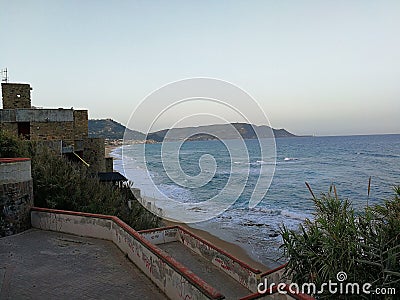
332	287
187	104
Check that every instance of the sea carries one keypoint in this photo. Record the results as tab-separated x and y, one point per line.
345	161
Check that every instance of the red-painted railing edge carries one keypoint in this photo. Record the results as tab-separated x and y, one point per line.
273	270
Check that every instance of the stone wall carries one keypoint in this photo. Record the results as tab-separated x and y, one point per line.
109	164
43	131
36	115
16	195
94	153
16	95
46	124
80	124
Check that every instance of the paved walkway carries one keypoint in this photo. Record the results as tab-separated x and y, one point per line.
40	264
214	276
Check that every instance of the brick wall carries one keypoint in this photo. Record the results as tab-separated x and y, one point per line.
16	95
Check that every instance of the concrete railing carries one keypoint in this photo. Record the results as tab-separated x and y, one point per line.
148	202
237	269
14	170
275	276
175	280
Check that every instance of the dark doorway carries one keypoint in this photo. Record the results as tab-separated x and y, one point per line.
24	129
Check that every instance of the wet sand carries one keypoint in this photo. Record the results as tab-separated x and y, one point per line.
109	149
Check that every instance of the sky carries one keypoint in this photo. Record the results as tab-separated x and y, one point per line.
315	67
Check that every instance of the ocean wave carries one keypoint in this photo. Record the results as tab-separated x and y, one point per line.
290	159
261	162
378	154
294	215
176	192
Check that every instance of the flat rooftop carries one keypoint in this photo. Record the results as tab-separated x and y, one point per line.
38	264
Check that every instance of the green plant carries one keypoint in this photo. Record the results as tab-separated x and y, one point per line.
379	231
365	246
11	146
61	184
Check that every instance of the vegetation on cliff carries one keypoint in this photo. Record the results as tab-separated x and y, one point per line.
110	129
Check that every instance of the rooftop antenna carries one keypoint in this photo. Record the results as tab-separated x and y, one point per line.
4	75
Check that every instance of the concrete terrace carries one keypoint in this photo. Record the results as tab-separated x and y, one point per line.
38	264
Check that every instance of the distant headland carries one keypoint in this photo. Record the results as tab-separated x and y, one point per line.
110	129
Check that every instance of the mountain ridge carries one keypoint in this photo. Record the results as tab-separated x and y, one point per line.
111	129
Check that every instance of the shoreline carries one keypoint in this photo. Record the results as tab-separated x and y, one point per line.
108	149
234	249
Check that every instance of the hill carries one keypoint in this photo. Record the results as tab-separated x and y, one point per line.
223	131
110	129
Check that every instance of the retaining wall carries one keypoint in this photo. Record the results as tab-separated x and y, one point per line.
16	195
148	202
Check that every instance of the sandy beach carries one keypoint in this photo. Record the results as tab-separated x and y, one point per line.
109	149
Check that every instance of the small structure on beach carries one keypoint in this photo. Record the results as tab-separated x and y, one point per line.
115	178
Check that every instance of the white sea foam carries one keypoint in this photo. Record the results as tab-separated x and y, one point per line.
290	158
294	215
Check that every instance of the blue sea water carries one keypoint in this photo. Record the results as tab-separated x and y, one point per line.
346	161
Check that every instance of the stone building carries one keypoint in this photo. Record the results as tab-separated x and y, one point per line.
64	130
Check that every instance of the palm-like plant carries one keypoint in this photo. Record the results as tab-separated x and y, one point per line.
366	246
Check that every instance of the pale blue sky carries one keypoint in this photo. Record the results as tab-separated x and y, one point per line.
316	67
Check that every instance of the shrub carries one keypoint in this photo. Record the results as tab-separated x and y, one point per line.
365	246
379	231
61	184
11	146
